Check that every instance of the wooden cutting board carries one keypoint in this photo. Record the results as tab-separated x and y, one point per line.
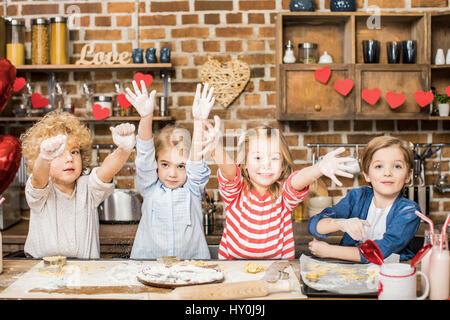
108	279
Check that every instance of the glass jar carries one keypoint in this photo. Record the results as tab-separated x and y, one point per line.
15	42
289	53
307	53
104	101
59	43
39	41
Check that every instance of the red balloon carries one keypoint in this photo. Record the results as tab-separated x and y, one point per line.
7	78
10	156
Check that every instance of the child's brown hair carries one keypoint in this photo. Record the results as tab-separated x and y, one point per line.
385	142
173	137
287	165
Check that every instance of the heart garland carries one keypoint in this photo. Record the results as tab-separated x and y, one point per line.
394	99
371	96
148	79
99	112
38	101
423	98
19	84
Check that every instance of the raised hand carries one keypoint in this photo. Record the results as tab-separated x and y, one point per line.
141	100
331	166
213	135
203	102
123	136
53	147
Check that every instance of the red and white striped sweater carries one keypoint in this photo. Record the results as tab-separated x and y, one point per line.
256	228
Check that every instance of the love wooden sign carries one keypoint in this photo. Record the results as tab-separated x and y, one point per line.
102	57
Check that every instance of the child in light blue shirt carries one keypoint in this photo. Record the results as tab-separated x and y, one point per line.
171	176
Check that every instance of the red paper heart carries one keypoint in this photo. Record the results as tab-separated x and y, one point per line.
38	101
148	79
323	75
423	98
99	112
371	96
10	156
344	86
19	84
123	101
447	91
395	100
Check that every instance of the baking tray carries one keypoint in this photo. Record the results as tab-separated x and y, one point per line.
311	292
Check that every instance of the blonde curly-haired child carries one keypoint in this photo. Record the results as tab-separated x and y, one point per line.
63	202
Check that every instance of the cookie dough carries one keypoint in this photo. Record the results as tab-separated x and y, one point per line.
253	267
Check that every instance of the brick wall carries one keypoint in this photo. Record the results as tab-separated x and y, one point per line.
223	29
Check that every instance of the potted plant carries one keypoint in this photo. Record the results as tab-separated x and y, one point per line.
442	103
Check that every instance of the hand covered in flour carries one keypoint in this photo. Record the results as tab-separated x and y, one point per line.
123	136
331	166
354	227
53	147
213	135
141	100
320	249
203	102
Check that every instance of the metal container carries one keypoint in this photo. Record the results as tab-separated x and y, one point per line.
121	206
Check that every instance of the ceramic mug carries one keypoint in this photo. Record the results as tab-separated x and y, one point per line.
397	281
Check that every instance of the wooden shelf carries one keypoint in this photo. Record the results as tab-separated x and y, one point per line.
75	67
110	119
442	66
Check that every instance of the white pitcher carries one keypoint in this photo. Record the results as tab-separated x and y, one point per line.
397	281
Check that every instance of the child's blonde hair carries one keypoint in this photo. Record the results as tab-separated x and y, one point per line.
173	137
385	142
287	166
52	124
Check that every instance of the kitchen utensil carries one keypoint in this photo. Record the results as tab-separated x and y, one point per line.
121	206
397	281
370	250
226	291
429	221
420	254
273	273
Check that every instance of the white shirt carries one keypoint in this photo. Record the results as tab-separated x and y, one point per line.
66	225
377	219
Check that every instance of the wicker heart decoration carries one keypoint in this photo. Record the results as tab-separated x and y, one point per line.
228	79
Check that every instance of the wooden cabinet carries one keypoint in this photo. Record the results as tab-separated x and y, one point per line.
301	97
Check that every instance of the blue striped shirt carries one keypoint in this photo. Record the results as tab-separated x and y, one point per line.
172	219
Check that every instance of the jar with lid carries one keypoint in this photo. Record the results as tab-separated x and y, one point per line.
59	40
39	41
15	42
104	101
307	53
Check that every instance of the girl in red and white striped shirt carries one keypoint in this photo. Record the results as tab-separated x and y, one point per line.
262	191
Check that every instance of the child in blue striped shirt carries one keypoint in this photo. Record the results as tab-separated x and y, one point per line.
171	175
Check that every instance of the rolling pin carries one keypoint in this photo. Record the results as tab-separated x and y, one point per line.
226	291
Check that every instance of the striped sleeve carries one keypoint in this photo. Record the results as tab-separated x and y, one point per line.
292	197
230	189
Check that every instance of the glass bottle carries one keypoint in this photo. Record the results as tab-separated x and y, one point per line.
39	41
15	42
439	269
289	53
425	262
59	37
